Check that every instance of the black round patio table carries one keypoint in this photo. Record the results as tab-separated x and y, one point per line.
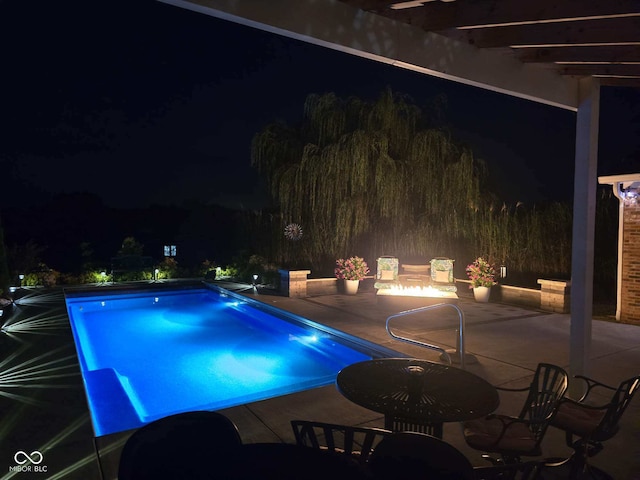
417	395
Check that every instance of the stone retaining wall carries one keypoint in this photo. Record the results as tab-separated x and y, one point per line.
293	283
322	286
526	297
553	296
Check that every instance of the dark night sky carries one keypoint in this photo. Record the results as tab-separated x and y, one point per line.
142	102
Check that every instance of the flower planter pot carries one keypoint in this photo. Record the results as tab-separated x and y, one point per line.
481	294
351	286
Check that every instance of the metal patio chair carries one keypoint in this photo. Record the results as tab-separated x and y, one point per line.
587	425
419	455
357	442
181	446
514	437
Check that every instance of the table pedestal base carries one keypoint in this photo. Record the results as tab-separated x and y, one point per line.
399	424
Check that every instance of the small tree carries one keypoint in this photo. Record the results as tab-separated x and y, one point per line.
130	246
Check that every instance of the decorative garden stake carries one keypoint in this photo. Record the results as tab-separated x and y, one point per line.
293	232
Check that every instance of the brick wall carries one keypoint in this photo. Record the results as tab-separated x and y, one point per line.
630	277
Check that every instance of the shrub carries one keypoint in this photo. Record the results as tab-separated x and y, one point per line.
168	268
44	276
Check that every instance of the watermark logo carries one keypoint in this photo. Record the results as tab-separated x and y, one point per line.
28	462
23	457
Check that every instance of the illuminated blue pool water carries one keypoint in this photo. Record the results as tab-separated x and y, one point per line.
150	354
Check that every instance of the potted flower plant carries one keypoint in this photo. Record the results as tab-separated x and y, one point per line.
351	270
483	276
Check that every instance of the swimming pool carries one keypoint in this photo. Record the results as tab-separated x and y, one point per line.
148	354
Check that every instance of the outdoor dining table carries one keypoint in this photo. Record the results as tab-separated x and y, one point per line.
415	394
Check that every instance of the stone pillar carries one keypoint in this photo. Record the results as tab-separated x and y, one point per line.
293	283
555	295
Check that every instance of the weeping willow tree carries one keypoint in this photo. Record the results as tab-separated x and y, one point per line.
366	176
369	179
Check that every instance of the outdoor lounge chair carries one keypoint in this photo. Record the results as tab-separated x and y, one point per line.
357	442
436	274
181	446
514	437
442	274
592	424
386	272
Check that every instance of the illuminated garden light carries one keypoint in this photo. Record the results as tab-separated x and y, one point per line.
37	298
35	373
38	324
630	196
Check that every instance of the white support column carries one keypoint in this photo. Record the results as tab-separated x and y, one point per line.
584	208
617	193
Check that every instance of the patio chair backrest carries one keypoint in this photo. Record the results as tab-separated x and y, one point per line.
442	270
419	455
547	388
358	442
158	450
387	268
619	402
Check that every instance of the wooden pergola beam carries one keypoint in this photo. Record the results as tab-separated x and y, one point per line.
437	15
610	70
604	53
623	31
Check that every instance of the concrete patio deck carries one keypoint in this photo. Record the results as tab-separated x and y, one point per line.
46	410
